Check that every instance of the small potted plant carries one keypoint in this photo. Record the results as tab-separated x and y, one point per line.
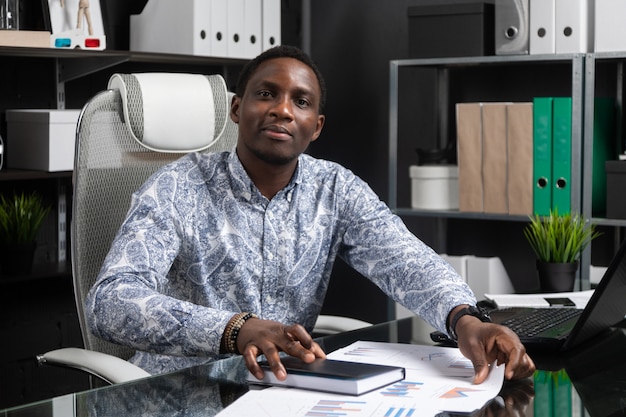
558	241
21	217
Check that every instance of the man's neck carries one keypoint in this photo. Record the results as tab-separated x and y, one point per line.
269	178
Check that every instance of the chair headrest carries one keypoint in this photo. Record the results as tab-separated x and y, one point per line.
170	112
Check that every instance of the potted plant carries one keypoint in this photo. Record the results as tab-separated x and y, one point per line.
21	217
558	241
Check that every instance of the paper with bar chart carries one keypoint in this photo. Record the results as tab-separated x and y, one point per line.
437	379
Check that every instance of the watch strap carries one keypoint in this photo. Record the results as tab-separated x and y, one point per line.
473	311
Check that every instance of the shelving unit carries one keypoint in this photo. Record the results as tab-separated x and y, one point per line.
436	85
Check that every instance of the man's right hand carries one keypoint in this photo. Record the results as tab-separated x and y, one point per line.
269	338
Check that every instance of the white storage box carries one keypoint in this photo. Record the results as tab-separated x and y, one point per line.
41	139
434	187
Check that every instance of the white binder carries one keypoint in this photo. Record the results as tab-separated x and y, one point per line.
574	26
219	28
511	27
271	25
236	29
202	28
172	26
252	27
610	31
542	27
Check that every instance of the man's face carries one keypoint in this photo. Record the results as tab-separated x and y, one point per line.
278	114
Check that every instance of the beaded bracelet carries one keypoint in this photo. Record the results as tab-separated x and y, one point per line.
229	338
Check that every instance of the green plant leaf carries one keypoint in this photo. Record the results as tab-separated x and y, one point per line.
559	238
21	217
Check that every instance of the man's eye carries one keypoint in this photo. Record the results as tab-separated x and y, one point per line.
302	102
264	93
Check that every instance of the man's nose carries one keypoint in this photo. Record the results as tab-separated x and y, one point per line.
283	108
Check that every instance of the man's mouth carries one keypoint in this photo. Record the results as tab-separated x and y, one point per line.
277	132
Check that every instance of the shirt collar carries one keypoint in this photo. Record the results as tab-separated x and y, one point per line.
243	186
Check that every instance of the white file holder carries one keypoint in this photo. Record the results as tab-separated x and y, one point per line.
173	26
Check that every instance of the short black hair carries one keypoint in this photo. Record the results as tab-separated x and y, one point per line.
281	51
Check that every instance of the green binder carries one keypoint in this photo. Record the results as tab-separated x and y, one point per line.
542	404
561	154
542	155
561	394
603	150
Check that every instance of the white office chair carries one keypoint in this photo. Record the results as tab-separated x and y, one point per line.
115	154
124	135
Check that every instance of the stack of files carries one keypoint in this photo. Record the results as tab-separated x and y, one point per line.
552	138
516	158
495	157
562	26
552	124
218	28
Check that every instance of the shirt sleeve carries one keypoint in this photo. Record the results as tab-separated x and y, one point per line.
128	304
378	244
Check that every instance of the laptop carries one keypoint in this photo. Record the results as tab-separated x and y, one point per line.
606	308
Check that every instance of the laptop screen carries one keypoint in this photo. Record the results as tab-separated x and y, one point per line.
607	305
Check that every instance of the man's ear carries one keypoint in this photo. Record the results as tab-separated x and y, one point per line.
318	129
234	109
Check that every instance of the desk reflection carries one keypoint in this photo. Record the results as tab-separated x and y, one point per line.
194	392
586	382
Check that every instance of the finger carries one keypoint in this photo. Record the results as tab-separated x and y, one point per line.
273	359
318	351
481	372
299	333
524	368
300	344
250	354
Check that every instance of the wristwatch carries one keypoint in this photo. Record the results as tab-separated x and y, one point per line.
475	311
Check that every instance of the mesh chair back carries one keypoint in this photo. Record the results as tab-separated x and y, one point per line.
109	166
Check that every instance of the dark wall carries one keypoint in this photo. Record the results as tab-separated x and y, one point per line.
353	41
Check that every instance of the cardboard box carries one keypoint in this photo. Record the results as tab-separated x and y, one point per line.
615	186
41	139
434	187
452	30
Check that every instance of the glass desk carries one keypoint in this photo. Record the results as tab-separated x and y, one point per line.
588	381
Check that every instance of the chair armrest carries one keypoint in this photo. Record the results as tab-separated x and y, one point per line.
107	367
329	324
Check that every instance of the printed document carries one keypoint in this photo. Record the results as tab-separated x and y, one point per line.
437	379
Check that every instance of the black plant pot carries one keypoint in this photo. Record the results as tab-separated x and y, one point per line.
16	259
556	277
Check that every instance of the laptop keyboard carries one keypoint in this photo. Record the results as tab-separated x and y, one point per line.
540	320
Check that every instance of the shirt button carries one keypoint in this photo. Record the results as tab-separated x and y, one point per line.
270	256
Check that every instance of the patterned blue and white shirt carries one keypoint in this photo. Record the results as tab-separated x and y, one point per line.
201	243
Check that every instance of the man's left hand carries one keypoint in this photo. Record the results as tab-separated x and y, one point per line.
484	343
